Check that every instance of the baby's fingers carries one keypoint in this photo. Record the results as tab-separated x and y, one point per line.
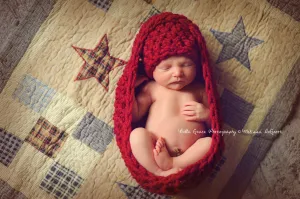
188	112
190	103
188	108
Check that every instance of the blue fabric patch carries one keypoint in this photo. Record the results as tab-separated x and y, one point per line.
94	133
9	147
34	94
235	110
61	182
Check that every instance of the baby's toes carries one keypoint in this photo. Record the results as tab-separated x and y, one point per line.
158	149
155	152
158	144
162	141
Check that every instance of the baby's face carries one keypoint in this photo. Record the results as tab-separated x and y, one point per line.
175	72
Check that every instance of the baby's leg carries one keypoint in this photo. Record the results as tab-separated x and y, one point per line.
142	149
193	154
161	155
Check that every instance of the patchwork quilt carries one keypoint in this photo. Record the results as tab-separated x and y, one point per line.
56	128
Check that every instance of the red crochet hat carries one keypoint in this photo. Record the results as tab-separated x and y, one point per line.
168	35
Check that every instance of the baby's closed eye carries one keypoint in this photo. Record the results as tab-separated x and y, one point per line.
165	67
187	64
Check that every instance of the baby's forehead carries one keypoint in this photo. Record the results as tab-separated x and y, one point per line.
177	58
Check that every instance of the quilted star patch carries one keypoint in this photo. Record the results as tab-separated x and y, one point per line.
97	63
236	44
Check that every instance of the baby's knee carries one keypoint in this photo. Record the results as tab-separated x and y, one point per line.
137	135
206	141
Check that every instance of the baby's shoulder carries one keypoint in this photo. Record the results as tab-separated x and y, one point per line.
150	86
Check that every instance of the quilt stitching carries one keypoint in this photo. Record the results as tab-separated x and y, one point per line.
152	12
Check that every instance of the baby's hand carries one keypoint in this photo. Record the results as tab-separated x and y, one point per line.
194	111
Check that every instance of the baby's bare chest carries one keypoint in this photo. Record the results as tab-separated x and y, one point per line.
170	101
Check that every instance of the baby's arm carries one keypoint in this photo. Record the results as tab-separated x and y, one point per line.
142	102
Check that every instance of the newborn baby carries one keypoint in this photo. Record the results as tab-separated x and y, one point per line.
173	137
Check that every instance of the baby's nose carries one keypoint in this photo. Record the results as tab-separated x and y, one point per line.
177	72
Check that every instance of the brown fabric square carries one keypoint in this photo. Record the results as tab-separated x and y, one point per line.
46	137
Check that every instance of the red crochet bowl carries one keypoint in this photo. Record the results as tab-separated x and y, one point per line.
192	175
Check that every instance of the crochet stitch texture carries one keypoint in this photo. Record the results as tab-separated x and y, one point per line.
150	55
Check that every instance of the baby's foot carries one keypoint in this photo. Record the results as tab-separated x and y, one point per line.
168	172
161	155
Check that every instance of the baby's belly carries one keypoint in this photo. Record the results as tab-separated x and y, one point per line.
178	133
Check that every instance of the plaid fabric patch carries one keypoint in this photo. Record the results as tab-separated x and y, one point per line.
9	147
217	169
7	192
103	4
34	93
98	63
46	137
94	133
236	110
61	182
140	193
152	12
